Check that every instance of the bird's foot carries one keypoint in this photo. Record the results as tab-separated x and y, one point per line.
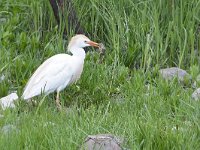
58	105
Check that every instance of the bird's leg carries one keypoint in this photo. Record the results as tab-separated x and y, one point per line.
58	101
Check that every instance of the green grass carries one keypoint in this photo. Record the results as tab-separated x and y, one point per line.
124	95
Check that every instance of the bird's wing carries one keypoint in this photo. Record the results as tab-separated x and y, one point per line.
54	72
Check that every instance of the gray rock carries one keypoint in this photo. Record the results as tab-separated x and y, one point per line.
2	78
196	94
102	142
171	73
9	128
2	20
8	101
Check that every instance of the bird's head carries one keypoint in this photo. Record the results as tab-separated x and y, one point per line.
81	41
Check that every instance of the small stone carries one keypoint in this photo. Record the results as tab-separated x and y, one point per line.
8	128
8	101
2	20
102	142
196	94
171	73
2	78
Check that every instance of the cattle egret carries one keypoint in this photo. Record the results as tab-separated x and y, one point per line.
59	71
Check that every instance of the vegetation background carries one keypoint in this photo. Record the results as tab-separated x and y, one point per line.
123	95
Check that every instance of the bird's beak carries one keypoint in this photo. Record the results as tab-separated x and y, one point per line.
94	44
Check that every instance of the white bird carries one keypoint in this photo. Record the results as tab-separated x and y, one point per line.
59	71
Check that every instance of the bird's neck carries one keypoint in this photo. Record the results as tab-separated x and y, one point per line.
79	52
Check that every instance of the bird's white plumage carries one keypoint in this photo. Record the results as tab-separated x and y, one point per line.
59	70
54	74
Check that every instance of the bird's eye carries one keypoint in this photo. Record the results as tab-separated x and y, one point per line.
85	41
